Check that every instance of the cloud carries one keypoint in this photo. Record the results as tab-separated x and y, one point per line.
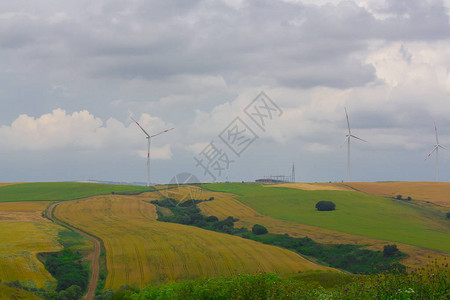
80	131
198	65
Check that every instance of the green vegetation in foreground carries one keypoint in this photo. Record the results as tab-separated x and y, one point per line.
347	257
66	267
430	283
103	271
9	292
356	213
58	191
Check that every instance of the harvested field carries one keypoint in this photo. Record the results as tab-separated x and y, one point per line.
142	251
435	192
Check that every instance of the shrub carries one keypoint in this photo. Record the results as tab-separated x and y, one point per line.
409	198
448	215
259	229
211	219
399	197
390	250
325	206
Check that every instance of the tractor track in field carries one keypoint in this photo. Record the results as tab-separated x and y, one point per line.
94	257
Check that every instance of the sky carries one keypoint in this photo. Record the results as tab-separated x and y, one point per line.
250	87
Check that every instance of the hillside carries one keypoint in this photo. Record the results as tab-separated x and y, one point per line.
9	293
23	234
357	213
141	250
57	191
434	192
226	204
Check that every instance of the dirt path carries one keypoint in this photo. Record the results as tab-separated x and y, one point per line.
94	257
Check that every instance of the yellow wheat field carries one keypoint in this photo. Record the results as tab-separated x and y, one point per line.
9	293
23	234
225	205
142	251
434	192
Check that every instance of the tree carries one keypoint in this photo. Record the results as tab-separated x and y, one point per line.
259	229
399	197
211	219
448	215
73	292
390	250
325	206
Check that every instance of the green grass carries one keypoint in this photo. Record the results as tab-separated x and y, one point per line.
74	240
429	283
57	191
356	213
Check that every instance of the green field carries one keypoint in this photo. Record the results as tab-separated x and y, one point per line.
57	191
355	213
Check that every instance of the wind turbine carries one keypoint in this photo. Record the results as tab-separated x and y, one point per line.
436	148
149	138
347	139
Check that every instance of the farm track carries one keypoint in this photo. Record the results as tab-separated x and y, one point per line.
94	257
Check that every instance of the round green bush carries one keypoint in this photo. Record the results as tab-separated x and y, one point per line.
259	229
325	206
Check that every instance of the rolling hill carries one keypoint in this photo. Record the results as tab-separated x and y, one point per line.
141	250
357	213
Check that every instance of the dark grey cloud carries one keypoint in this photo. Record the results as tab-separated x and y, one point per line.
160	39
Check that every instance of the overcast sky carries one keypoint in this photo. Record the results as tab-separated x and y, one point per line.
72	71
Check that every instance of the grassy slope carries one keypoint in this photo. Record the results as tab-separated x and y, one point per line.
141	250
356	213
61	190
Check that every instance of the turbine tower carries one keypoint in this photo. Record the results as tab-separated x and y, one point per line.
293	173
347	139
149	138
436	148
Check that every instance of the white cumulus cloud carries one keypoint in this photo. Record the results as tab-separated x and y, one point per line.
81	130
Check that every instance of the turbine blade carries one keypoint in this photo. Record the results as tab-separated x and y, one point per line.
140	127
435	130
348	123
346	138
434	149
353	136
444	147
162	132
